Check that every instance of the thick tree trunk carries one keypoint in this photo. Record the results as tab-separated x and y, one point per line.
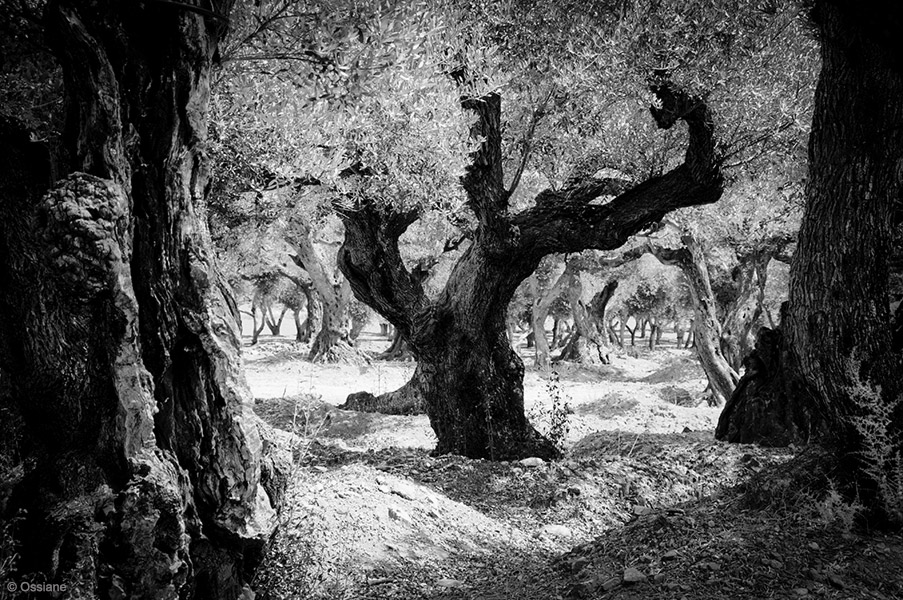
768	406
145	476
839	303
587	343
839	317
333	342
470	377
840	361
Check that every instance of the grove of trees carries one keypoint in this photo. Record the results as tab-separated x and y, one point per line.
428	160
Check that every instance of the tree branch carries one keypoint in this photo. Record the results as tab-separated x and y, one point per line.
528	144
370	260
565	222
483	180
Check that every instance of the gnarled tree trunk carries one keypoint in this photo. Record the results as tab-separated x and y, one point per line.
768	407
587	342
839	317
470	377
144	474
542	303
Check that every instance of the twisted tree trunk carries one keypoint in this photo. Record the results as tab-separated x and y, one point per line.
587	342
542	303
145	476
470	377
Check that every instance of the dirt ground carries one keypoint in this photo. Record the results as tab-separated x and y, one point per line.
644	504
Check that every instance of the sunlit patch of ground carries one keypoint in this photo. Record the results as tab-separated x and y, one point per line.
371	514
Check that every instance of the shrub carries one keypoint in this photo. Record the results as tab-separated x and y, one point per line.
553	420
881	447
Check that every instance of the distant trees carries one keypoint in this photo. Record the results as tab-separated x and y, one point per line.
586	166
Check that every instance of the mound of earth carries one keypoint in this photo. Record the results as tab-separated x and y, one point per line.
349	525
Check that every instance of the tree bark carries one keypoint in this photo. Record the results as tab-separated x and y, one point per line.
839	301
840	355
767	407
839	317
587	342
145	473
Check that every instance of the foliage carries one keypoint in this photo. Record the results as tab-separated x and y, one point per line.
646	286
404	127
553	421
380	106
578	73
876	420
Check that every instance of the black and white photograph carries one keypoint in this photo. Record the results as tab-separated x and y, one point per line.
451	300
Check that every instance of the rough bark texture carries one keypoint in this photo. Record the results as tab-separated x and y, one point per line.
746	307
470	377
542	303
839	302
837	330
767	407
145	470
587	342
